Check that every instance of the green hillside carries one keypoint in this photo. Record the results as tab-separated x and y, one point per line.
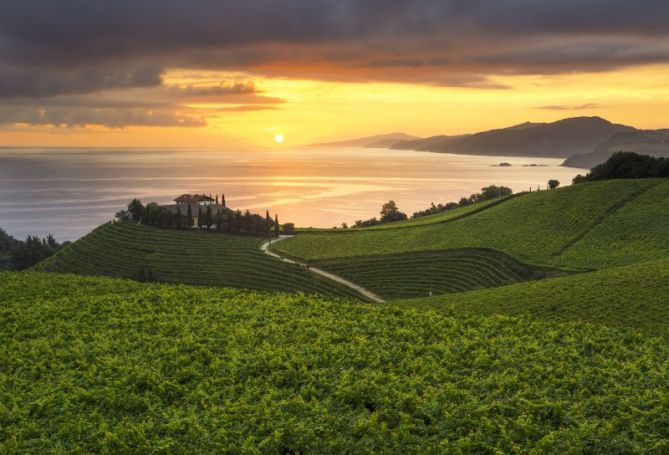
632	296
548	228
190	257
98	365
417	274
442	217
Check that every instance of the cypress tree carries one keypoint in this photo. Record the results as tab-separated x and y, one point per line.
209	219
276	225
190	216
268	223
178	223
199	216
223	200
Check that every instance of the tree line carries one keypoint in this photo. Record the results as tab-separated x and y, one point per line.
487	193
22	254
627	165
222	220
390	212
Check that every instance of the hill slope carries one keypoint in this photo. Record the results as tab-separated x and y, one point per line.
190	257
423	273
547	227
630	296
559	139
654	143
96	365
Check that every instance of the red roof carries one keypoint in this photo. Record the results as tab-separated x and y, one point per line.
193	198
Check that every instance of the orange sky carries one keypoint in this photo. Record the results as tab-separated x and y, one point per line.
307	111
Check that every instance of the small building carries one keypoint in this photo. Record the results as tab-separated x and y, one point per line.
198	203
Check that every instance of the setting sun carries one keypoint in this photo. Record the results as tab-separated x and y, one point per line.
278	138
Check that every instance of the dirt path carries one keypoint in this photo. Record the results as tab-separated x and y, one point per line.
331	276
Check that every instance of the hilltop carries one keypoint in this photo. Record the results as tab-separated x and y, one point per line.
559	139
141	252
98	365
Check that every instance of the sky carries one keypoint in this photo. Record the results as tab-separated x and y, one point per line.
235	73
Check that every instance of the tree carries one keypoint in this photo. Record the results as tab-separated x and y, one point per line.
208	219
268	223
288	228
199	217
223	200
276	225
390	212
136	209
552	184
628	165
178	224
33	250
190	216
239	221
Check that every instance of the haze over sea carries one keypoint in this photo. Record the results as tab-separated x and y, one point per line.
68	192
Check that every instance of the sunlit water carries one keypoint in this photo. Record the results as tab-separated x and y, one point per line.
69	192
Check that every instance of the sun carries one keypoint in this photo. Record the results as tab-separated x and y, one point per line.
278	138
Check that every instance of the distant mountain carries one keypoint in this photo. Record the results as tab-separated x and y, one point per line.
378	141
649	142
559	139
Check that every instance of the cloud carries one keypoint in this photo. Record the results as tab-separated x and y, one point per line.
567	107
107	117
80	47
21	81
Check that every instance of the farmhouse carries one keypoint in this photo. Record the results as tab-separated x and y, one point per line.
197	203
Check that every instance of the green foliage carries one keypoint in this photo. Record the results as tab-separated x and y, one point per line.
418	274
442	216
390	212
539	228
94	365
627	165
633	296
191	257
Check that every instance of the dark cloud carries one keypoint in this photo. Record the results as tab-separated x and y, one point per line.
72	47
68	116
20	81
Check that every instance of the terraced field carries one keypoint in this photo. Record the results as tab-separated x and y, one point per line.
101	365
547	228
211	259
631	296
636	232
434	272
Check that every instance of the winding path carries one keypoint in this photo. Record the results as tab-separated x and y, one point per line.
264	247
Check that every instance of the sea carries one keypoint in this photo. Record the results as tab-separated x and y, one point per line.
68	192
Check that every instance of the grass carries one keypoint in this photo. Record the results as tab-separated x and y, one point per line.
547	228
443	217
99	365
636	232
438	272
190	257
630	296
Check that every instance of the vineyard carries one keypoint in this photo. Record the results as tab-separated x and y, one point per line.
101	365
438	272
549	227
211	259
631	296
